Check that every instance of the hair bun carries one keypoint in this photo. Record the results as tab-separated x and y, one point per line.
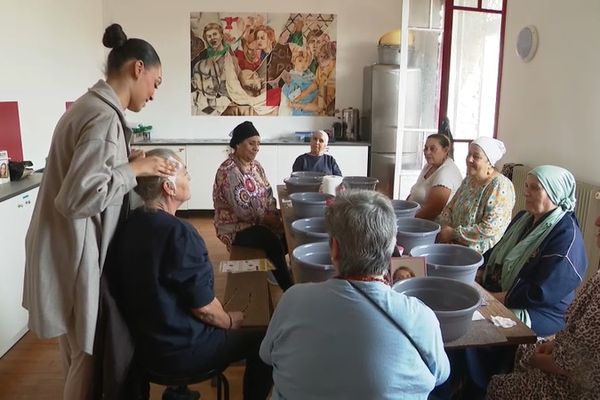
114	36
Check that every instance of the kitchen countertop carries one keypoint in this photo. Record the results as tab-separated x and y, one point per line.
181	142
15	188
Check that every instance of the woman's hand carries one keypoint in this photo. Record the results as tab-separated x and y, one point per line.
153	166
446	235
545	348
237	318
500	296
479	276
545	362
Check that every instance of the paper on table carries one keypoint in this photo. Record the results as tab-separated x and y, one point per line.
235	266
502	321
477	316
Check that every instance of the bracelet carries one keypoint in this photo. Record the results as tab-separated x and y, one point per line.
230	321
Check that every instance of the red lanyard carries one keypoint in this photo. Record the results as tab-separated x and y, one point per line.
363	278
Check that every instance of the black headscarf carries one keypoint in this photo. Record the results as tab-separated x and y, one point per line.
242	132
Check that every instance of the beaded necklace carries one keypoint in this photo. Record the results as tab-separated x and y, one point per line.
363	278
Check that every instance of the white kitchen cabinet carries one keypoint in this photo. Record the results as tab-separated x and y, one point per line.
203	162
180	150
352	160
15	214
277	159
286	156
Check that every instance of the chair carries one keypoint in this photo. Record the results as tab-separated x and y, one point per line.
215	374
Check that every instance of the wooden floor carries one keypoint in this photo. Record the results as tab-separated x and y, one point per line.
32	368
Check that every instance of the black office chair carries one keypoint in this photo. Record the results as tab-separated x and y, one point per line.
182	382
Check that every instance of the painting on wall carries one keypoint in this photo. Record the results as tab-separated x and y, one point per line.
262	64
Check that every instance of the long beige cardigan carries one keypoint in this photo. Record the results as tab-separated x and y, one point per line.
75	216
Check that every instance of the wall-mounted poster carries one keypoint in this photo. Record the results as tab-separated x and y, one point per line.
262	64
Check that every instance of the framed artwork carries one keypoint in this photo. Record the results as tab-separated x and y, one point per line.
262	64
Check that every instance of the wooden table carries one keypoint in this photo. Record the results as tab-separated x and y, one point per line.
287	215
484	333
481	333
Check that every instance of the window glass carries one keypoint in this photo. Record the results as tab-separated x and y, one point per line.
465	3
474	73
492	4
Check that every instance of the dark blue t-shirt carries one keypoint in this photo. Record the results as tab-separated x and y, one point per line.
160	270
325	163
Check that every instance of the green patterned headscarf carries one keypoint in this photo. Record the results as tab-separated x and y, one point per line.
558	183
510	254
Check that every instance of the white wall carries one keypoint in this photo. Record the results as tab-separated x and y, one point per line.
50	52
550	107
166	26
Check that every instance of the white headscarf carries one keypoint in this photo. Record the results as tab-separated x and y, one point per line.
493	148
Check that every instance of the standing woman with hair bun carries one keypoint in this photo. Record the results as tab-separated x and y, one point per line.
83	192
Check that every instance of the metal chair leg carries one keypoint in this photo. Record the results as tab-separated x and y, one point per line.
225	386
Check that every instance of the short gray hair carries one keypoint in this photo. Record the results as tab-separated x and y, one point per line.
149	188
364	224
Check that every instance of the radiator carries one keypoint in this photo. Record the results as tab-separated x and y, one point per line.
586	210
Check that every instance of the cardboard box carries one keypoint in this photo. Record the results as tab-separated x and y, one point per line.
248	291
416	265
4	172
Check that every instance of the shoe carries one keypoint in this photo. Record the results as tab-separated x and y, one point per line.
180	393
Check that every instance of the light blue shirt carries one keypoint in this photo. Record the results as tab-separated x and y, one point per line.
326	341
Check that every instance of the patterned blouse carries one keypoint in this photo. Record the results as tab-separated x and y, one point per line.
241	198
480	214
575	350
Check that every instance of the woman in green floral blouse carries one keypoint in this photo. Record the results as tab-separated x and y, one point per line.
481	209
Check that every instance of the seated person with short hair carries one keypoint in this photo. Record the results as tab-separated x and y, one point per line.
329	340
163	284
316	159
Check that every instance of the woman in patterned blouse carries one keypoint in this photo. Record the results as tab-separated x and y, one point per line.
245	210
481	209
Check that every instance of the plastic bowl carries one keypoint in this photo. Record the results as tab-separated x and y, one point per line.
308	174
297	184
405	208
309	204
360	182
452	301
313	262
450	261
310	230
414	232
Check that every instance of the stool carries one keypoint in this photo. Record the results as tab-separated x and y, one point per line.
217	375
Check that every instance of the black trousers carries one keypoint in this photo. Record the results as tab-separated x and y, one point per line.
261	237
258	376
240	344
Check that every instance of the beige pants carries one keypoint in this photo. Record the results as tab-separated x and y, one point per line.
77	366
